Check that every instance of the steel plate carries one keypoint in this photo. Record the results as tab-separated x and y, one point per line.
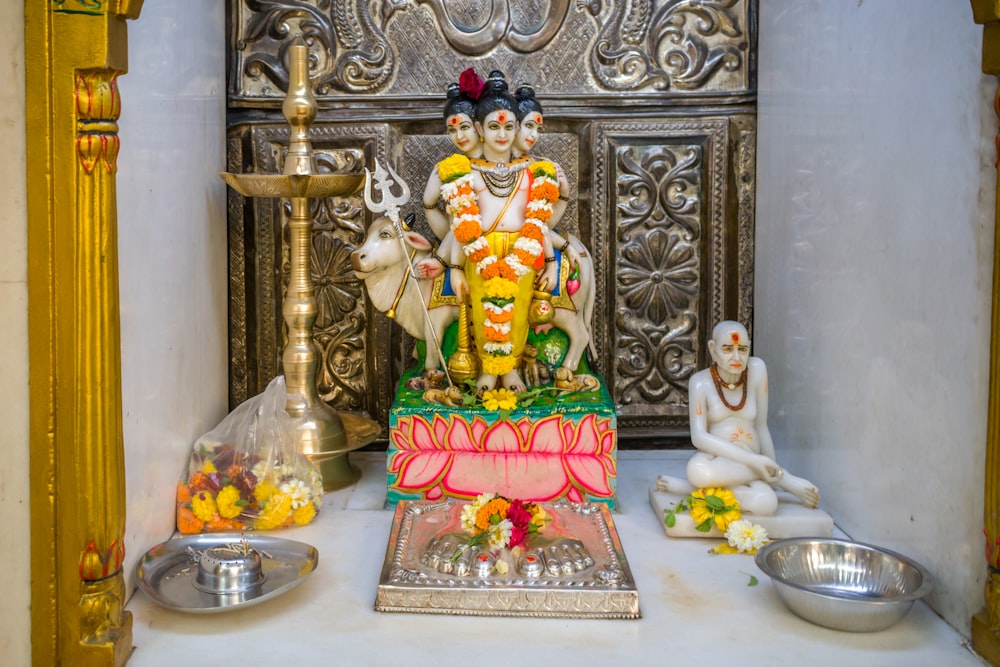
166	573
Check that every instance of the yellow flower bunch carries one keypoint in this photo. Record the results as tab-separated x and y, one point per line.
228	502
714	505
500	399
304	514
453	167
500	288
497	365
709	506
203	505
543	168
275	513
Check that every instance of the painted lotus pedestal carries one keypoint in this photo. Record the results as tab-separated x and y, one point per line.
562	449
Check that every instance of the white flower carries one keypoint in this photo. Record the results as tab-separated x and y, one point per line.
469	517
297	490
500	534
745	536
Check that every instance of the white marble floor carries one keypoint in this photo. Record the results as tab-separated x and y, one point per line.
695	607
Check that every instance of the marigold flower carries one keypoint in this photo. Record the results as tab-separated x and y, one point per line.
208	467
532	231
227	502
187	522
500	399
453	167
545	190
502	316
500	289
264	491
489	333
219	523
498	506
467	231
304	514
203	506
183	493
496	365
275	513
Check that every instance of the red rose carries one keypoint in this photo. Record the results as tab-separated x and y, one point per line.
470	84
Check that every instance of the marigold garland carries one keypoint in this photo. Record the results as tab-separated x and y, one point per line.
500	274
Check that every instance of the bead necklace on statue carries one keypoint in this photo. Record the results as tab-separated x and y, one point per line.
500	274
719	383
500	177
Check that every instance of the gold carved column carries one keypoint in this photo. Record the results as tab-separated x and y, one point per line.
986	624
74	52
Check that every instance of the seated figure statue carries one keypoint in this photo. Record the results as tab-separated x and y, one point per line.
728	415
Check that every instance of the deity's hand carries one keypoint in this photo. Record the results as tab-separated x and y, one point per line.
561	555
448	554
563	181
429	267
767	469
459	284
573	255
548	278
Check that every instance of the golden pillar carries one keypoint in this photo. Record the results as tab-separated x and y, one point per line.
986	624
75	50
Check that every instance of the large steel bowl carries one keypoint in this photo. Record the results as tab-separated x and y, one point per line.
841	584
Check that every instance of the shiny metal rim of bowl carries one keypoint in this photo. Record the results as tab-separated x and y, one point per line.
765	552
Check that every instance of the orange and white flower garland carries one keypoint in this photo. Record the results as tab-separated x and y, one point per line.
500	274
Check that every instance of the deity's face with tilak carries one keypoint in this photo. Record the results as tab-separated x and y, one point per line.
462	132
498	130
730	349
527	133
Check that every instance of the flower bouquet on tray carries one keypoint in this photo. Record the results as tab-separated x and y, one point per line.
500	522
247	474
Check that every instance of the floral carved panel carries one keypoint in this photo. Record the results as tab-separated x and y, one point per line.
662	282
567	47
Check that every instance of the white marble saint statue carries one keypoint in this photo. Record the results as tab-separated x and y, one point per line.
728	414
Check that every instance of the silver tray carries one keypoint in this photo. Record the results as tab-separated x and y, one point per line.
167	572
600	587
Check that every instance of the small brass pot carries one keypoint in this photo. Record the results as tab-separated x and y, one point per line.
541	310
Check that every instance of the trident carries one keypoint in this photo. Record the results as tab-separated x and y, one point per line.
388	205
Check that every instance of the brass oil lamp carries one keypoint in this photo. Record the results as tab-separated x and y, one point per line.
322	437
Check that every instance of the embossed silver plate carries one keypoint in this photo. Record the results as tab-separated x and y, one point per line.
600	585
169	572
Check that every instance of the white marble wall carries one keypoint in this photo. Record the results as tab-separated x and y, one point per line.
172	253
15	640
873	275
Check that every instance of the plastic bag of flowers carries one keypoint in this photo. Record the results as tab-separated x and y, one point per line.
247	472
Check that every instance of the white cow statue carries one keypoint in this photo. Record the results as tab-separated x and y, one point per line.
381	262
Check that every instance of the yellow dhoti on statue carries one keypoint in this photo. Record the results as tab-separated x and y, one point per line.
500	243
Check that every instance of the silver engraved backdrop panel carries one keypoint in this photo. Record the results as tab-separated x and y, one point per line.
650	109
574	48
664	280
